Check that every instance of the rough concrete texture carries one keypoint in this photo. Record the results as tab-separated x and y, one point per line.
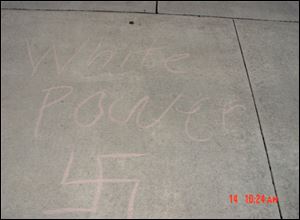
129	6
272	54
271	10
110	115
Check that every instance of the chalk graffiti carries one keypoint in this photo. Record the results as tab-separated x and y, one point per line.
227	109
144	56
36	64
45	104
137	109
100	107
60	69
99	181
110	55
195	108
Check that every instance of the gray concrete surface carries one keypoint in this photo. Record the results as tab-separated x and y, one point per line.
272	54
128	6
271	10
109	115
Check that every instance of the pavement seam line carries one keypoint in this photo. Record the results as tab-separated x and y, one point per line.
228	17
152	13
258	118
156	7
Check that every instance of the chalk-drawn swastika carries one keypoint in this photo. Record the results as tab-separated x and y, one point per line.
99	185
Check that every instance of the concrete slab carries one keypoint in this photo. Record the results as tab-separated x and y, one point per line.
124	115
272	10
272	55
128	6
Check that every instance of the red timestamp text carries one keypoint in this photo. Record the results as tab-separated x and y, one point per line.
253	199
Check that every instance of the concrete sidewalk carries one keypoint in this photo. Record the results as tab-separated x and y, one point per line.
149	111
